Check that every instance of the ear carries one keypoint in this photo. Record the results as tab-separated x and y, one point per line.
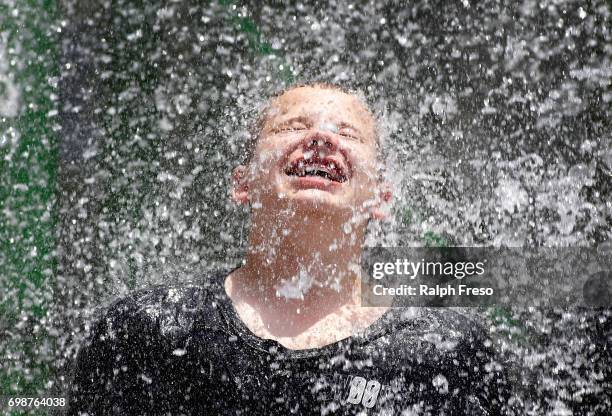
384	196
240	188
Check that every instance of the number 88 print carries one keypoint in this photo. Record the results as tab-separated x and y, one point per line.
363	391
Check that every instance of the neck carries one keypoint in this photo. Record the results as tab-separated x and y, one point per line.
297	266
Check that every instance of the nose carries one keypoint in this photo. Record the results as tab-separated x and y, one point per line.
319	141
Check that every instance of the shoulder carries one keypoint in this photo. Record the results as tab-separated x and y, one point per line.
455	323
163	311
439	334
466	358
139	345
450	354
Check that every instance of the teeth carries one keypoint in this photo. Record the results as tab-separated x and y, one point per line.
328	170
314	171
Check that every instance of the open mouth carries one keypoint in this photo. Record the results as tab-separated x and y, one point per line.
327	169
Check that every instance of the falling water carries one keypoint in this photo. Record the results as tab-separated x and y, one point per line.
495	119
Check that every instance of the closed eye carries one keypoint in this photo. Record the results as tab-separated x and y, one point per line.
289	128
292	128
349	134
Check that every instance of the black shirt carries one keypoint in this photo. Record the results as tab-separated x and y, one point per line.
183	350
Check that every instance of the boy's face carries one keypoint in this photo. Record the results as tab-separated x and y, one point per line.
317	151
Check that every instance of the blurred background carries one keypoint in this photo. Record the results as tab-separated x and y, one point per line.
120	123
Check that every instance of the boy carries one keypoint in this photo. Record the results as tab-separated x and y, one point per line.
285	333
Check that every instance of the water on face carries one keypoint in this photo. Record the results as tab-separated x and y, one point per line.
495	128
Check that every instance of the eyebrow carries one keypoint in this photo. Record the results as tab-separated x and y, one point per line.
302	119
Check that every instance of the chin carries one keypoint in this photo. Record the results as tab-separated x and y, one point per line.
318	202
313	201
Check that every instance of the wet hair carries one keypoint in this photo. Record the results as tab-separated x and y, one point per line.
257	125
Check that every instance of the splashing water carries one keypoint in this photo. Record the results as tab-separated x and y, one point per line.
297	287
494	119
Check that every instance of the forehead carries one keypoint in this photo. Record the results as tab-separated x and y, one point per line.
322	104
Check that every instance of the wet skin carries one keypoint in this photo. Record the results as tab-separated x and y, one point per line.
313	176
322	127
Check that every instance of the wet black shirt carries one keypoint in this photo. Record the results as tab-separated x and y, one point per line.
174	350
